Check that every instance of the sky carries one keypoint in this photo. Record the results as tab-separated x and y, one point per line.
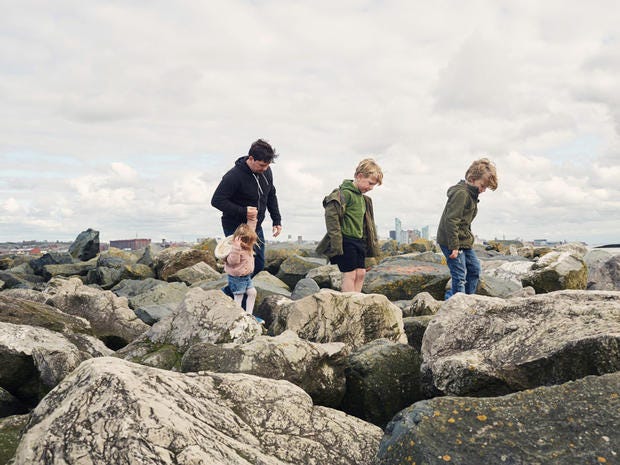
122	116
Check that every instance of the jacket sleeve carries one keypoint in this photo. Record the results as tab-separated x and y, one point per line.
223	194
272	205
234	257
454	216
334	228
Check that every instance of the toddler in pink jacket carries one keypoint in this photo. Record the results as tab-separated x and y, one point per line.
239	264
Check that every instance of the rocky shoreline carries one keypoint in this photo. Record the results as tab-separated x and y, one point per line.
139	358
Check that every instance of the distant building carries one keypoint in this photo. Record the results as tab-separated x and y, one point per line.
393	235
425	233
131	244
398	232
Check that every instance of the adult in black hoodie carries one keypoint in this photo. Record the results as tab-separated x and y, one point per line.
249	184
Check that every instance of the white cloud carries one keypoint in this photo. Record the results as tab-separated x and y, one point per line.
124	117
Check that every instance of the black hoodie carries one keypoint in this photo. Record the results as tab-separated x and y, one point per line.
241	188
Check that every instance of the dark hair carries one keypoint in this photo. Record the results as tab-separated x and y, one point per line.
262	151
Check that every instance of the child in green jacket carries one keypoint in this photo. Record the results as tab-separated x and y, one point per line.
351	233
454	234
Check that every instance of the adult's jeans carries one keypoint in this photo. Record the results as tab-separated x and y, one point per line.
464	270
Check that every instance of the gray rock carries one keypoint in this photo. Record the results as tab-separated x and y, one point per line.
203	316
297	267
570	424
125	413
605	276
415	327
330	316
513	271
422	304
304	288
110	316
557	271
383	377
266	284
10	434
151	299
195	273
174	259
326	276
481	346
269	308
496	287
85	246
402	278
81	268
35	359
10	405
316	368
51	258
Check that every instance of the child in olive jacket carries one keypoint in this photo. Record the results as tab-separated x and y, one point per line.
349	218
454	234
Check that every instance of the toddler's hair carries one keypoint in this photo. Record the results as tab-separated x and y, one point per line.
247	235
483	169
368	167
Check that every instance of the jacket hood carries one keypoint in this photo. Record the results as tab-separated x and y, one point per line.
463	186
241	163
348	185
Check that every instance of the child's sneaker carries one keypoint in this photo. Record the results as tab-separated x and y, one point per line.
259	320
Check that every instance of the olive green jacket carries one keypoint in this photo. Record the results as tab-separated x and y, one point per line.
454	231
331	244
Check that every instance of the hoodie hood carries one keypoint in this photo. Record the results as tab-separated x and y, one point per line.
348	185
463	186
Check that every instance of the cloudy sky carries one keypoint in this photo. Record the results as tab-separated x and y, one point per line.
122	116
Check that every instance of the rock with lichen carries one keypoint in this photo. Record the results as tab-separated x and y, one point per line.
570	424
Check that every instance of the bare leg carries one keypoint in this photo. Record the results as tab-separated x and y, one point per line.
360	273
238	299
249	303
348	281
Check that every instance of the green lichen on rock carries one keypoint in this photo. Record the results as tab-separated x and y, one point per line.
10	434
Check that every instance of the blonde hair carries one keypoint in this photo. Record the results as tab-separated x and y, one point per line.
483	169
367	168
247	235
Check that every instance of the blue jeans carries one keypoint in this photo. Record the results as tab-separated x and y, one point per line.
464	270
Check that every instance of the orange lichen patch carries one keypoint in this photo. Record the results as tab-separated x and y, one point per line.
601	460
451	420
455	411
471	367
614	395
482	417
446	458
458	441
436	413
412	443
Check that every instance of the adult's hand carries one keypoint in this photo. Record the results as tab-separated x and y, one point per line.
454	254
277	230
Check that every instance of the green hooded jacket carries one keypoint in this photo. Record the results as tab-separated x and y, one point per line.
335	205
454	231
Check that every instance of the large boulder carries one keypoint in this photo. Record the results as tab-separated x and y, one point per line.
605	276
304	288
570	424
328	276
557	271
170	261
151	299
297	267
330	316
316	368
195	273
79	268
383	377
110	316
477	346
422	304
274	257
126	413
202	316
401	278
85	246
415	327
51	258
10	405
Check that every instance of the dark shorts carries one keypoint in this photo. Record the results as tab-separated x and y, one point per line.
353	256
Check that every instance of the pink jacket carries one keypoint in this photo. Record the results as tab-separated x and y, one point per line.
240	262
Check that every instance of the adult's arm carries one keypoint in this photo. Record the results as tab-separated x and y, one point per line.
272	207
223	194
